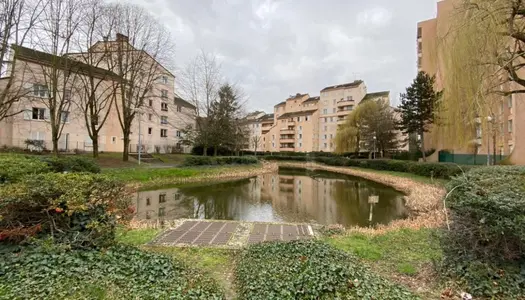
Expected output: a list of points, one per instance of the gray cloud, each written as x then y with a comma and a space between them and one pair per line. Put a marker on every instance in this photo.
275, 48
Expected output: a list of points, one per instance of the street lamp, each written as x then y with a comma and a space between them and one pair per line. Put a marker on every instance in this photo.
140, 133
375, 138
489, 120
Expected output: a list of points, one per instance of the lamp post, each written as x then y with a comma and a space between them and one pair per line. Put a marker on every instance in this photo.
140, 133
489, 120
375, 138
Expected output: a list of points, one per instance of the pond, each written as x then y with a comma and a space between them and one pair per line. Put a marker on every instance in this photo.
291, 195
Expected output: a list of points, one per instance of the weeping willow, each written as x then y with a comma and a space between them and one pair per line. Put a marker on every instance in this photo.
468, 71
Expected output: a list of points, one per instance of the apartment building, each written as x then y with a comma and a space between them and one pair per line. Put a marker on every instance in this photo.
509, 111
303, 123
160, 121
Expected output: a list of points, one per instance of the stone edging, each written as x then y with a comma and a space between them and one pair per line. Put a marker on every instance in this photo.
423, 200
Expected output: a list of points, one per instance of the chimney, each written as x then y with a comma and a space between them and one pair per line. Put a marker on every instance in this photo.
122, 38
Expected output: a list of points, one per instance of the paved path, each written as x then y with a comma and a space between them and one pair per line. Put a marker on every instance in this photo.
230, 234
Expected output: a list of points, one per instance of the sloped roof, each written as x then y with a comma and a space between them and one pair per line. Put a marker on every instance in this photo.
61, 62
182, 102
376, 95
267, 117
279, 104
296, 113
354, 84
312, 99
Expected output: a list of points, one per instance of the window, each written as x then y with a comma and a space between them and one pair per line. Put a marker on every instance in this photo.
113, 139
150, 103
510, 101
67, 95
325, 146
162, 211
331, 119
163, 120
300, 145
300, 128
510, 126
39, 113
349, 98
298, 119
326, 128
419, 63
325, 111
162, 198
150, 117
300, 136
164, 106
176, 196
150, 130
40, 90
325, 119
179, 134
419, 47
164, 79
334, 101
419, 32
179, 108
164, 93
148, 201
331, 135
324, 137
306, 118
64, 116
333, 110
164, 133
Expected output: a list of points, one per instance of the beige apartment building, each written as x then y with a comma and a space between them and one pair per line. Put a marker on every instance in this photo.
508, 111
303, 123
161, 119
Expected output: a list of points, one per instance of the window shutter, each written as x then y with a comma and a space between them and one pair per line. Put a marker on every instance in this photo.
28, 114
46, 114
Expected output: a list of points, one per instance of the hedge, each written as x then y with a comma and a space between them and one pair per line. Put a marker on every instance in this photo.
13, 167
309, 270
219, 160
72, 164
436, 170
485, 246
77, 209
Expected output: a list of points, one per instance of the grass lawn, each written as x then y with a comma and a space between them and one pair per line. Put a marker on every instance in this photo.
406, 255
171, 159
414, 177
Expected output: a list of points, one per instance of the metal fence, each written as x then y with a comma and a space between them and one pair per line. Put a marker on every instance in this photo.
47, 145
468, 159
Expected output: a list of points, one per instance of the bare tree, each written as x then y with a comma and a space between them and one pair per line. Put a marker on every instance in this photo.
57, 74
96, 91
141, 54
256, 140
17, 19
199, 84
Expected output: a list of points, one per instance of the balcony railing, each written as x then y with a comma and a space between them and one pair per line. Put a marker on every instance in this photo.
287, 131
345, 103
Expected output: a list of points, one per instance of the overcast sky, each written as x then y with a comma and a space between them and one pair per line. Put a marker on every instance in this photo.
275, 48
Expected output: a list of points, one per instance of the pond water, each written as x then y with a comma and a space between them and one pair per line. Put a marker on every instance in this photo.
291, 195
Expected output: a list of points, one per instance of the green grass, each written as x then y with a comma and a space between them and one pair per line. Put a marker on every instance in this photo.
403, 251
148, 174
136, 237
414, 177
171, 159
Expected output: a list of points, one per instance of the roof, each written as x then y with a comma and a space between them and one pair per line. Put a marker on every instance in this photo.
312, 99
253, 114
61, 62
267, 117
182, 102
298, 95
279, 104
296, 113
376, 95
354, 84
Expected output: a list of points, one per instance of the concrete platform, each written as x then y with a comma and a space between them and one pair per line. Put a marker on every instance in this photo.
230, 234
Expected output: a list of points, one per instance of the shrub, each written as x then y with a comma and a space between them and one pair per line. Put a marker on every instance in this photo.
38, 145
72, 164
486, 241
308, 270
78, 209
120, 272
219, 160
14, 167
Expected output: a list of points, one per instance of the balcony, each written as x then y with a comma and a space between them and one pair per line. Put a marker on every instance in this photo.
287, 140
343, 112
287, 149
287, 131
345, 103
341, 121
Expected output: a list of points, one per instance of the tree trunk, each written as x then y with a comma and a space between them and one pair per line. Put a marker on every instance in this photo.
55, 146
125, 153
95, 145
494, 160
205, 150
423, 147
214, 150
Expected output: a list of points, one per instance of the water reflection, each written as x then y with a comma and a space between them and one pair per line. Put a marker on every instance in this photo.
291, 196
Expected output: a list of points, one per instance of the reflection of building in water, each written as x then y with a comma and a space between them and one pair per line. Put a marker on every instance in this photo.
161, 204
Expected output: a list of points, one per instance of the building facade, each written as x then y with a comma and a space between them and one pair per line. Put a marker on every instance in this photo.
499, 137
160, 120
303, 123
